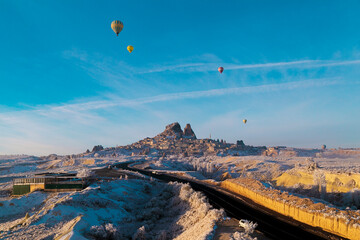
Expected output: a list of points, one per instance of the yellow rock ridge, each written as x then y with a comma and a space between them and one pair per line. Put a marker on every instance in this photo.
342, 223
335, 182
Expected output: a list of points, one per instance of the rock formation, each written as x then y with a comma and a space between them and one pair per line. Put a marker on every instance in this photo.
271, 152
188, 132
240, 143
172, 130
174, 141
97, 148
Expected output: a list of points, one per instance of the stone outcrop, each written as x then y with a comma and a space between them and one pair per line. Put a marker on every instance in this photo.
188, 132
172, 130
97, 148
271, 152
240, 143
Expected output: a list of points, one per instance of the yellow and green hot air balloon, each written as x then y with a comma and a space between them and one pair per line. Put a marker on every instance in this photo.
244, 121
130, 48
117, 26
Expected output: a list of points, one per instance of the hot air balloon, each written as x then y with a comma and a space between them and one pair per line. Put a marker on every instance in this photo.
117, 26
220, 69
244, 121
130, 48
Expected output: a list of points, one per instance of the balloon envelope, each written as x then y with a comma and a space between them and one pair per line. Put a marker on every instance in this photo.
130, 48
220, 69
117, 26
244, 121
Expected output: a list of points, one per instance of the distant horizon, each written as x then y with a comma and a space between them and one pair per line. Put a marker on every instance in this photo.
69, 83
231, 142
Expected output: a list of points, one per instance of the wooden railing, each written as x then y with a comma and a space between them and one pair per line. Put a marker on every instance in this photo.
55, 180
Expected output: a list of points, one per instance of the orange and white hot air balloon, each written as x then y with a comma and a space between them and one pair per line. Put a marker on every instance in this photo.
117, 26
220, 69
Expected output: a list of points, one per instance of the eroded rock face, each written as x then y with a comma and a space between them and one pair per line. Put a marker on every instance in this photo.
172, 130
188, 132
240, 143
97, 148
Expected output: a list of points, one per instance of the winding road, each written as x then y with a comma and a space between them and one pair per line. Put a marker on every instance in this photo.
270, 223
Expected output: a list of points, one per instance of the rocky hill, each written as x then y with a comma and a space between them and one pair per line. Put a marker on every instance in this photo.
175, 141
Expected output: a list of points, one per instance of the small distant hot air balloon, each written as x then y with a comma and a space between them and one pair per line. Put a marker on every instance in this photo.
220, 69
244, 121
117, 26
130, 48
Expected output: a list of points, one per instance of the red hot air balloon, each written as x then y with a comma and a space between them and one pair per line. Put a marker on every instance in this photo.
220, 69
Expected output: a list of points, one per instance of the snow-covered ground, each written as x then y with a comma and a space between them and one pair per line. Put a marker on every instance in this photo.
333, 175
117, 209
128, 208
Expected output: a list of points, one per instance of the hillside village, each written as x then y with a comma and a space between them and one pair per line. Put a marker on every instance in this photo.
175, 141
184, 143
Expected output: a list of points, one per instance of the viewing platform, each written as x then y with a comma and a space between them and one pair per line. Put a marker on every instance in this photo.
49, 182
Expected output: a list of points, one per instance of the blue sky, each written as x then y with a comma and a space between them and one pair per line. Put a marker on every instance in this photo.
292, 69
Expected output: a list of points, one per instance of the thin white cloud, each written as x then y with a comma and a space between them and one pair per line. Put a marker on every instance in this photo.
126, 80
177, 67
204, 63
77, 108
205, 67
337, 63
271, 65
50, 128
